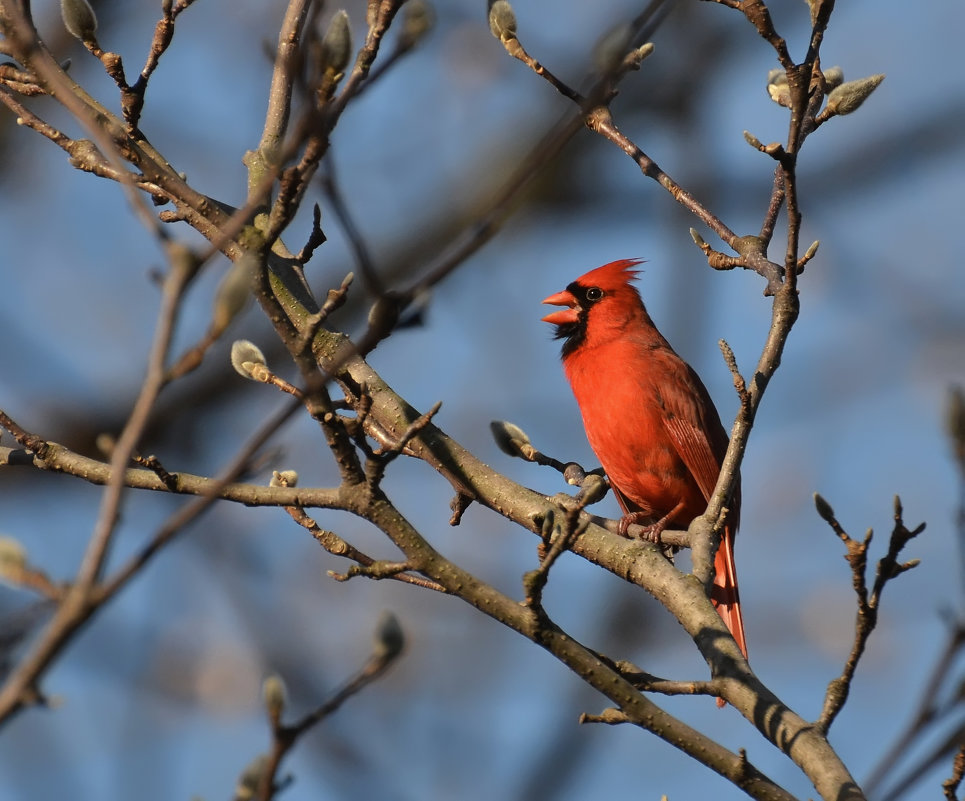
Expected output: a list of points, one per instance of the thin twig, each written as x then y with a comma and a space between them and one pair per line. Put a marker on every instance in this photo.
337, 546
284, 736
888, 568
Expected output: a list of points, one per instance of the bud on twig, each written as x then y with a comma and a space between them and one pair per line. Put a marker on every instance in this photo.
283, 478
849, 96
824, 508
389, 637
777, 87
417, 20
337, 43
13, 558
777, 77
593, 488
511, 439
833, 76
502, 20
275, 695
635, 58
250, 780
233, 294
780, 94
808, 255
79, 18
574, 474
248, 360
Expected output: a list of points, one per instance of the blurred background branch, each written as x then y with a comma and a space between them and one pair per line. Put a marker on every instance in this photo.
433, 170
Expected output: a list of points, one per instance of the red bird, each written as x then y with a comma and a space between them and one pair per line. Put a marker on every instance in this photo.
647, 415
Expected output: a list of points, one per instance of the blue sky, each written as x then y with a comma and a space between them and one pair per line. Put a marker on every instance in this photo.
164, 686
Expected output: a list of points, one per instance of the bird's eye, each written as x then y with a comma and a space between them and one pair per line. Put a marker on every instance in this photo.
594, 293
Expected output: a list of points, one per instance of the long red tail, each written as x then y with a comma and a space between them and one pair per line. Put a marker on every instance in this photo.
725, 597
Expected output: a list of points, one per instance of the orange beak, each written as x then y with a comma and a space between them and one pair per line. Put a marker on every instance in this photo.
564, 316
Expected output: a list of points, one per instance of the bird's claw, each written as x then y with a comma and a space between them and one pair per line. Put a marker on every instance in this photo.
650, 532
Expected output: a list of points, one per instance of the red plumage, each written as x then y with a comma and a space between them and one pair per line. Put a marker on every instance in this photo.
648, 417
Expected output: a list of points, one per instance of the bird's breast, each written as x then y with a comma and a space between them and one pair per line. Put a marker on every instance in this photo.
623, 415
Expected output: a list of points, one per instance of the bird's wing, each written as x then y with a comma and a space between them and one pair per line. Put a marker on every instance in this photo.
689, 435
700, 439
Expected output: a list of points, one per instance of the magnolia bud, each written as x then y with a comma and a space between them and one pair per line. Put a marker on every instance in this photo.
275, 695
389, 637
833, 76
417, 20
510, 438
249, 783
594, 487
233, 293
823, 507
573, 474
13, 558
637, 57
337, 42
283, 478
777, 87
777, 76
502, 20
79, 18
246, 357
780, 93
849, 96
753, 141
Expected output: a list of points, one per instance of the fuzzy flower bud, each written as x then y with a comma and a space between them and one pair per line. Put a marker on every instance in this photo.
232, 295
247, 358
283, 478
778, 88
13, 558
79, 18
780, 94
510, 438
849, 96
337, 43
833, 77
417, 20
250, 780
275, 695
502, 20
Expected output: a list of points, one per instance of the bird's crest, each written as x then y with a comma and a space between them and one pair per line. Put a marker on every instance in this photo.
612, 275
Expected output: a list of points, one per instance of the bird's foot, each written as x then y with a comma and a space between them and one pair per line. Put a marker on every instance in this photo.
650, 532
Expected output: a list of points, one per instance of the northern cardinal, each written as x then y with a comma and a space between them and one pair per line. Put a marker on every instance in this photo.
647, 415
